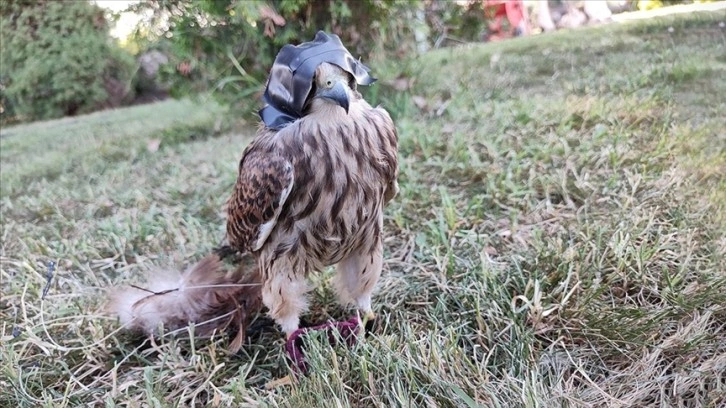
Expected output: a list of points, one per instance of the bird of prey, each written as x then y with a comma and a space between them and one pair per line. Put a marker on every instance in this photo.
310, 193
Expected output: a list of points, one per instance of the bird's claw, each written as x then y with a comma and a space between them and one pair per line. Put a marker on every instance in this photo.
368, 322
347, 331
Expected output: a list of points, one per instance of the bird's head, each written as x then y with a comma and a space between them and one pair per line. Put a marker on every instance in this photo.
332, 85
320, 74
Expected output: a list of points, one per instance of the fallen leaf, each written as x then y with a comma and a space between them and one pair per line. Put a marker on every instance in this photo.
441, 107
420, 102
401, 83
153, 145
448, 128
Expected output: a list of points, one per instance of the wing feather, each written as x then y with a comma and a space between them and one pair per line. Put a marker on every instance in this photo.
263, 184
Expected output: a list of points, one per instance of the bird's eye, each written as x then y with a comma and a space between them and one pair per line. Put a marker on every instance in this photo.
329, 83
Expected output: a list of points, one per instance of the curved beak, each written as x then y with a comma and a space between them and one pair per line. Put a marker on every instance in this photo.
338, 94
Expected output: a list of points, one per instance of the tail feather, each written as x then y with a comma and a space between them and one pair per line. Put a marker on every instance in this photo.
204, 295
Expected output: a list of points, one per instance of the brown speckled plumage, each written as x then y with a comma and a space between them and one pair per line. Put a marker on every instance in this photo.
307, 196
339, 170
204, 294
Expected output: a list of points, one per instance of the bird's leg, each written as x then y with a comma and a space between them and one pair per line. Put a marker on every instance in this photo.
284, 294
347, 331
356, 278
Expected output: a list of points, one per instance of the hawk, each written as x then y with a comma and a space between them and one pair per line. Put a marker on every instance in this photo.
310, 193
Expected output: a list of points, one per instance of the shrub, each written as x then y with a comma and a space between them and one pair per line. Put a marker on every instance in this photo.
228, 46
58, 59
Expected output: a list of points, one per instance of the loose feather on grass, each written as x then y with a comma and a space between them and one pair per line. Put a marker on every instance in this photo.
204, 295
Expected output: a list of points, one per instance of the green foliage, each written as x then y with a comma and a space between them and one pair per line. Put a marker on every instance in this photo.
454, 23
229, 45
57, 59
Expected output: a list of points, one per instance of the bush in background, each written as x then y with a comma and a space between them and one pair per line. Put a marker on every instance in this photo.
58, 59
228, 46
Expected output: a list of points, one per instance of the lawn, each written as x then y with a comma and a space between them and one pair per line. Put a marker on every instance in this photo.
559, 239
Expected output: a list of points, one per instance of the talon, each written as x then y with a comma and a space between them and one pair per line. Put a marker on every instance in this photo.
368, 322
348, 331
294, 350
369, 315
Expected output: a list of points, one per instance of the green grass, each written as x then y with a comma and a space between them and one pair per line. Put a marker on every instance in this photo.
559, 239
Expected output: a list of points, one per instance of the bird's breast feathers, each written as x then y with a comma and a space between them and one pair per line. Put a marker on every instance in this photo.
342, 168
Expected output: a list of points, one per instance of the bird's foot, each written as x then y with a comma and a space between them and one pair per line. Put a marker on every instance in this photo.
346, 331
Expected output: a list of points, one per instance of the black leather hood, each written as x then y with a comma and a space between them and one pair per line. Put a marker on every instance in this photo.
291, 76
